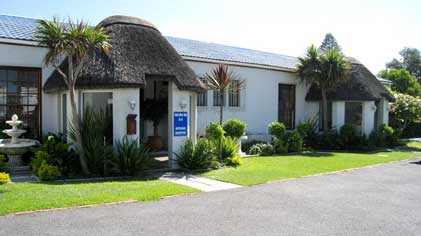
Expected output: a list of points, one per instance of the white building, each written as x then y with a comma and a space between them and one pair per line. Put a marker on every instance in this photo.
145, 65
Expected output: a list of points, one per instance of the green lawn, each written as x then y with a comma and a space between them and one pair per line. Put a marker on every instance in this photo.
35, 196
415, 146
257, 170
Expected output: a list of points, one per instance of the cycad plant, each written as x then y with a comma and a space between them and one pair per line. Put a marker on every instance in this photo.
323, 70
73, 42
130, 156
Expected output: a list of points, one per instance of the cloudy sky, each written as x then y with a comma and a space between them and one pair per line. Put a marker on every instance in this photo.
373, 31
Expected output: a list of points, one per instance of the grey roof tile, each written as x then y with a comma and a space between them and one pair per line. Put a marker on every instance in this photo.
14, 27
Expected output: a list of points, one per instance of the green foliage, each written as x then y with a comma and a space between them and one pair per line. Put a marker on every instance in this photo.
3, 166
4, 178
94, 146
330, 42
246, 146
130, 157
405, 110
384, 136
155, 110
47, 172
295, 142
267, 150
256, 148
234, 128
308, 130
277, 130
199, 156
56, 152
235, 160
328, 141
228, 149
214, 131
403, 81
348, 135
410, 61
39, 158
279, 146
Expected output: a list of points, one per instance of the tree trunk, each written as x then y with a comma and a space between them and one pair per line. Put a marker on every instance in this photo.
324, 111
76, 126
221, 106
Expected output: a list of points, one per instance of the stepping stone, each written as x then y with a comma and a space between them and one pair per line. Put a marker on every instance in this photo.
203, 184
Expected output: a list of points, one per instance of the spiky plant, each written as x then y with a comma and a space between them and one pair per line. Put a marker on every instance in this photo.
72, 42
323, 70
222, 79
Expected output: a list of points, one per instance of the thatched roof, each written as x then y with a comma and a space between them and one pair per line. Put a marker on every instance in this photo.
139, 52
361, 85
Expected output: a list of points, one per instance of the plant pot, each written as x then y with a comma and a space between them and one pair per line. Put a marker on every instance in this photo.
155, 143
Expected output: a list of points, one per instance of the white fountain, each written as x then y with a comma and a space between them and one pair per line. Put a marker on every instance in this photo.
15, 147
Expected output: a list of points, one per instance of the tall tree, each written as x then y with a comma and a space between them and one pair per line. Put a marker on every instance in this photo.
323, 70
72, 41
329, 42
223, 80
403, 81
410, 61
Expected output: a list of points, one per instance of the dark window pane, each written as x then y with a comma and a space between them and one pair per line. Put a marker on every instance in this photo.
286, 105
354, 115
3, 76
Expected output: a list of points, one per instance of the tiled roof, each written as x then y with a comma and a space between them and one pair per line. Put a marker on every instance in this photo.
13, 27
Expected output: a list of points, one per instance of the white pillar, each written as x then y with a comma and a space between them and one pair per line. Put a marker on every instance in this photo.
179, 103
369, 110
338, 114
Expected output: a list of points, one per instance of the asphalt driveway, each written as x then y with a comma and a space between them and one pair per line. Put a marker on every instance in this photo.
380, 200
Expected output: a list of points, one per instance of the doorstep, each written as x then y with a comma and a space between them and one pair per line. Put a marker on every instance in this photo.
203, 184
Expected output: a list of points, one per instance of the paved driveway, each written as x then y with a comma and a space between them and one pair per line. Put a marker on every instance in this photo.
380, 200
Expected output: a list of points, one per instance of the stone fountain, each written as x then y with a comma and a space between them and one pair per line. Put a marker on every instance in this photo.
15, 147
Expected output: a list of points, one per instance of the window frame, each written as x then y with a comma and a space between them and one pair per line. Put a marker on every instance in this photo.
234, 93
38, 93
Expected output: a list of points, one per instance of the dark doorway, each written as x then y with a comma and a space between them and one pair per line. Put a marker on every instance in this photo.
286, 105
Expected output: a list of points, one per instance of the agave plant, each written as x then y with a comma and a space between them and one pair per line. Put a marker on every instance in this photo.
130, 156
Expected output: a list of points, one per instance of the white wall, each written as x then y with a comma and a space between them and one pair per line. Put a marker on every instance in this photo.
29, 56
176, 98
369, 109
259, 100
338, 114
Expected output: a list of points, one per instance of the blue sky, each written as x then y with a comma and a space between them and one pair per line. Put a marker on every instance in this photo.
373, 31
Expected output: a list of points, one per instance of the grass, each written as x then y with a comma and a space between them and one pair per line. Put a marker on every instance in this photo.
257, 170
414, 146
36, 196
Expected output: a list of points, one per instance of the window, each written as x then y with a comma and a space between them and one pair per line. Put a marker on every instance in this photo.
19, 94
217, 101
354, 115
234, 94
286, 105
202, 98
329, 115
101, 102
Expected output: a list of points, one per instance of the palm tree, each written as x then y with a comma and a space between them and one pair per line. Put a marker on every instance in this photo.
323, 70
223, 80
72, 41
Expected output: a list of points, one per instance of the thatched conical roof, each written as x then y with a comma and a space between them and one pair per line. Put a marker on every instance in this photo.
361, 85
139, 52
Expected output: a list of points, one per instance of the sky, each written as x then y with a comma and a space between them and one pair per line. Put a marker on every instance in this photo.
372, 31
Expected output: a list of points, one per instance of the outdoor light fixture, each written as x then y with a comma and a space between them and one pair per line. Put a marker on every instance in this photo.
132, 104
183, 104
373, 107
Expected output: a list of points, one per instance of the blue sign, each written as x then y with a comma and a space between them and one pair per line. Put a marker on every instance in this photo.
180, 123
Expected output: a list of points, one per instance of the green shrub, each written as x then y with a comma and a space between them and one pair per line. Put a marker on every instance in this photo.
48, 172
246, 146
308, 130
95, 146
39, 158
295, 142
234, 128
214, 131
228, 148
329, 141
199, 156
130, 156
3, 166
4, 178
256, 149
235, 160
280, 146
277, 130
348, 135
267, 150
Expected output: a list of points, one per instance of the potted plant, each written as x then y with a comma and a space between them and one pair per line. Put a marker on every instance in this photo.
155, 110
